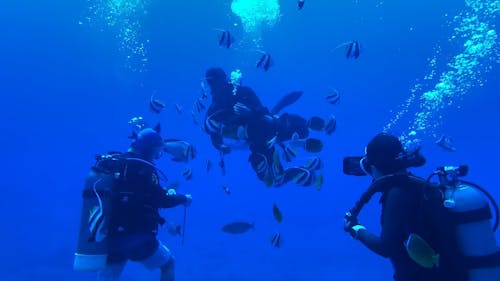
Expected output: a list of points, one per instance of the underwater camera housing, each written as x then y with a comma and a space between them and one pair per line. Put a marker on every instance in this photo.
355, 166
360, 166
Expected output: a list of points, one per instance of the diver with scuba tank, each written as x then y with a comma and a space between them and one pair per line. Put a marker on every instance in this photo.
430, 230
120, 214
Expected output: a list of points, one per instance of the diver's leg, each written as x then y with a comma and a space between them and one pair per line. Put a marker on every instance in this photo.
162, 258
260, 164
168, 271
290, 124
112, 272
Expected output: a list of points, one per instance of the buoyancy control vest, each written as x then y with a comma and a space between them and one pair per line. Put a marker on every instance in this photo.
103, 187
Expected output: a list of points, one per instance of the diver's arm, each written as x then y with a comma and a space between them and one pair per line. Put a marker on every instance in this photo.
169, 201
211, 129
217, 141
393, 216
249, 98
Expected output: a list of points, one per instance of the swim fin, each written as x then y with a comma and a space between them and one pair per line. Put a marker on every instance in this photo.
286, 100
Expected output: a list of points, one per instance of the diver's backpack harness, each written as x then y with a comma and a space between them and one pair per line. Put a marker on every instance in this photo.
459, 203
100, 187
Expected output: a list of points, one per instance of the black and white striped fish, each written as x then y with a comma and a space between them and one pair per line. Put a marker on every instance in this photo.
265, 62
226, 39
353, 50
156, 105
333, 97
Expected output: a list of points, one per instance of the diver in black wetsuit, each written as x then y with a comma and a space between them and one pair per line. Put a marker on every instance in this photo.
410, 205
135, 202
400, 208
237, 113
430, 231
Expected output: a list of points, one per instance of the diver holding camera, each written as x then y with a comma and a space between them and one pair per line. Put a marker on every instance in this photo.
430, 231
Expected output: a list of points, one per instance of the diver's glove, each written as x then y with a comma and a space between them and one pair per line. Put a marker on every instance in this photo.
352, 226
241, 109
189, 200
224, 148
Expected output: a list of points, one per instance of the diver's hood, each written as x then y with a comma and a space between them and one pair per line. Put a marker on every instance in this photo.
148, 140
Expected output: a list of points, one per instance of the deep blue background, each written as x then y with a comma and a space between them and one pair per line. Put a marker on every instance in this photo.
66, 96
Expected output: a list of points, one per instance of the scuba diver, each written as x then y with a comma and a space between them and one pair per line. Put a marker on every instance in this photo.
123, 196
237, 114
429, 231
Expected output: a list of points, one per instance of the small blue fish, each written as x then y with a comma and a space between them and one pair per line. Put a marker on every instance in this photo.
276, 239
174, 229
331, 125
319, 181
194, 118
222, 164
204, 90
300, 4
178, 108
333, 97
226, 189
278, 216
187, 173
446, 143
199, 105
238, 227
208, 165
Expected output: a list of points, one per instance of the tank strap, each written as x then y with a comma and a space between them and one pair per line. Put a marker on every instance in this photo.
476, 215
487, 261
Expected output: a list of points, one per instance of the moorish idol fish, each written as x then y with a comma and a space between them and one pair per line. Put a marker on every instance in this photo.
300, 4
156, 105
226, 39
352, 49
333, 97
265, 62
331, 125
446, 143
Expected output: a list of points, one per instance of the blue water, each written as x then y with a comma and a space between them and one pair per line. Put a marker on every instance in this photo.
68, 92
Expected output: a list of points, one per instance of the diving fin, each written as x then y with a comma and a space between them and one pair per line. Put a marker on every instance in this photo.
286, 100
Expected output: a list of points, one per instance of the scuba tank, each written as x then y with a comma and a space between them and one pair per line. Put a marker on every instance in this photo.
92, 247
471, 216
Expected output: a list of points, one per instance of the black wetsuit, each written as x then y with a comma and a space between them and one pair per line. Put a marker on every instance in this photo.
260, 125
221, 111
399, 218
404, 212
136, 199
